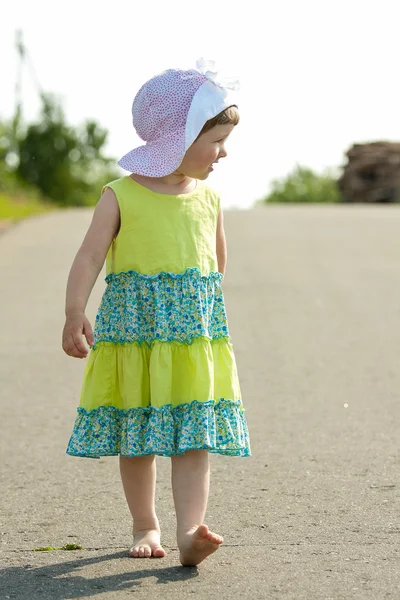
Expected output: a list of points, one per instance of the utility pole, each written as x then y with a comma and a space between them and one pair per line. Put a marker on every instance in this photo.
23, 58
18, 87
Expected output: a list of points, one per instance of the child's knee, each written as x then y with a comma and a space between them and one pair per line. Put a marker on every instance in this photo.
132, 459
193, 455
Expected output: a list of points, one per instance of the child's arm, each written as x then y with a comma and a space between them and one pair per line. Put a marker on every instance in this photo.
84, 272
221, 244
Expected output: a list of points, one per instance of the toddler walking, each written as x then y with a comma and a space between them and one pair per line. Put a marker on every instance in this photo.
161, 375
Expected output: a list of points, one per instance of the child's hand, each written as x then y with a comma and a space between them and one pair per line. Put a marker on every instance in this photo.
75, 327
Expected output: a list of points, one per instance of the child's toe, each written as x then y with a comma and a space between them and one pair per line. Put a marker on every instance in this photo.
158, 552
216, 539
202, 531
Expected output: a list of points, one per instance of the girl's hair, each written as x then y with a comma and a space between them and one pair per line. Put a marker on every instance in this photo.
229, 116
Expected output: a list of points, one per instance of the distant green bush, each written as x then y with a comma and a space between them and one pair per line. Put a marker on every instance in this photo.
65, 165
304, 185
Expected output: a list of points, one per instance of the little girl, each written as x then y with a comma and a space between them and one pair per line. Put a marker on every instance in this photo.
161, 376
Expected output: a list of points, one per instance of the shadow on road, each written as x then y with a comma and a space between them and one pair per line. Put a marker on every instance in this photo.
52, 582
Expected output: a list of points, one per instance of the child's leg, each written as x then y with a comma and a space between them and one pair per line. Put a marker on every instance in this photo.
190, 487
138, 476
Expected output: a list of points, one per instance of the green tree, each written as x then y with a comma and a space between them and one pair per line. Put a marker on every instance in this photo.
303, 185
66, 164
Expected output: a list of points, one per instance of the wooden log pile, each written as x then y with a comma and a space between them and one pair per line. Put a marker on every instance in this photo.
372, 173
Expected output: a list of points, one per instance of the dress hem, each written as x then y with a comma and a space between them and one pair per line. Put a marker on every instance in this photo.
241, 454
217, 426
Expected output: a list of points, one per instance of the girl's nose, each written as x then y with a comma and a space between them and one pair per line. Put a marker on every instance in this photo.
222, 153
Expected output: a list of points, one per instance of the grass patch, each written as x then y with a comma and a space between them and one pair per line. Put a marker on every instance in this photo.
65, 547
15, 208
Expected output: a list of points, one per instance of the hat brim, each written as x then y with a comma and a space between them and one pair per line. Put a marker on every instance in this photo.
158, 158
207, 103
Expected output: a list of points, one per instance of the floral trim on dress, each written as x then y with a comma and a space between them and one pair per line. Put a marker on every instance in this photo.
219, 427
164, 306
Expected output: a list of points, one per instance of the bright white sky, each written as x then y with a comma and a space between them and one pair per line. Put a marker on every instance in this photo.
316, 76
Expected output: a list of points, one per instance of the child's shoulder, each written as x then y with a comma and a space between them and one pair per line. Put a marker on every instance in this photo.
116, 184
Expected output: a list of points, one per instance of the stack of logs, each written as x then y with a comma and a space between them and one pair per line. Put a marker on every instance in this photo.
372, 173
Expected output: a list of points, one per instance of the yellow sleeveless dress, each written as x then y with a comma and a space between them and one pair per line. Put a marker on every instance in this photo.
161, 377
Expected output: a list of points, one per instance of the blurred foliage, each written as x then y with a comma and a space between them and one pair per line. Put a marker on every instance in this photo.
19, 206
304, 185
65, 164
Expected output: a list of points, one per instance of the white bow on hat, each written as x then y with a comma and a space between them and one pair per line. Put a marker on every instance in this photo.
207, 68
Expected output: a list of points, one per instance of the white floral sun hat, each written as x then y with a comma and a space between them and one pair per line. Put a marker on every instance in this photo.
170, 110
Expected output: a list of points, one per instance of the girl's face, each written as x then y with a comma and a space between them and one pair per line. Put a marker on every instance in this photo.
206, 150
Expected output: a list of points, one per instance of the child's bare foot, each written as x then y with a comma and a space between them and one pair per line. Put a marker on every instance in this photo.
146, 543
197, 544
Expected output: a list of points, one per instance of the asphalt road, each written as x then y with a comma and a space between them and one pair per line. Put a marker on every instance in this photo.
313, 300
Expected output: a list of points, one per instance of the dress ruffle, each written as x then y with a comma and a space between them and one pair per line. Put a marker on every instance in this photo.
132, 375
219, 427
164, 306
